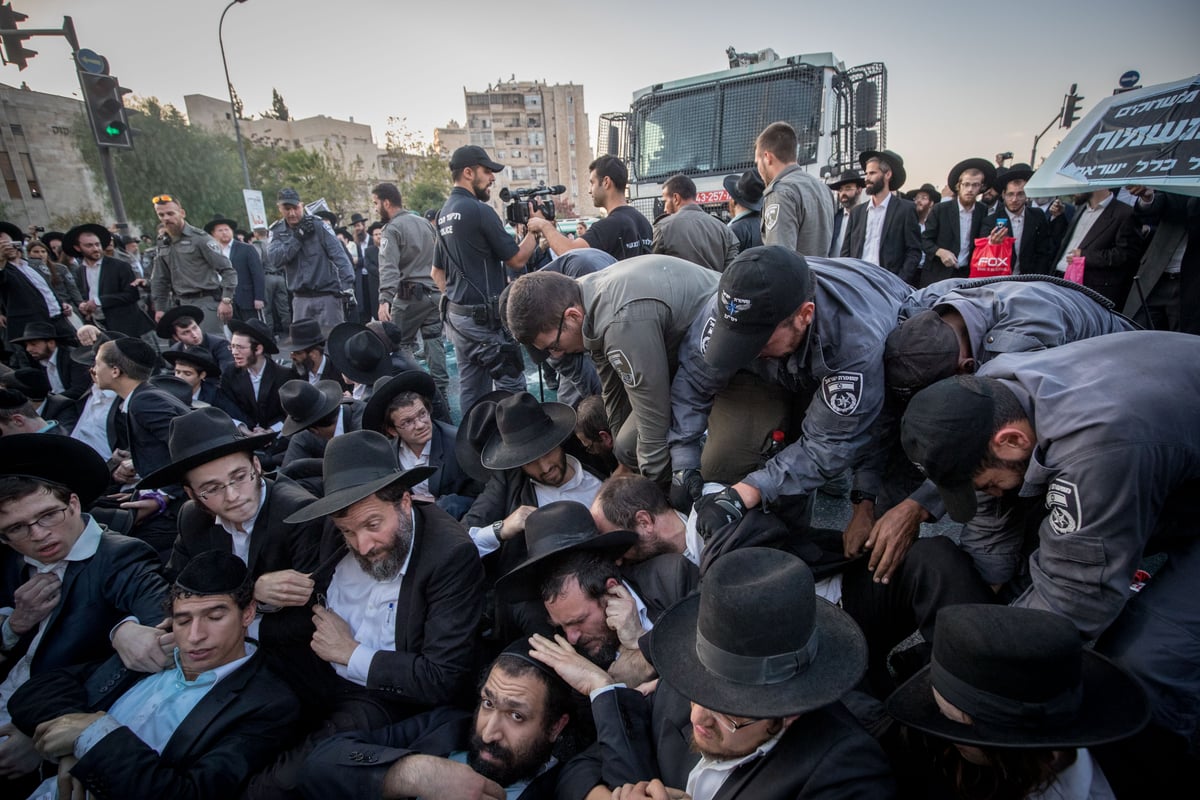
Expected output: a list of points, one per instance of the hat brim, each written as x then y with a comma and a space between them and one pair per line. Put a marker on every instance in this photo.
468, 455
519, 584
409, 381
728, 349
731, 182
87, 355
344, 498
212, 223
899, 174
174, 472
165, 327
206, 364
335, 348
26, 337
237, 326
329, 404
14, 233
839, 663
307, 344
71, 237
960, 501
1114, 707
1016, 174
982, 164
498, 455
59, 459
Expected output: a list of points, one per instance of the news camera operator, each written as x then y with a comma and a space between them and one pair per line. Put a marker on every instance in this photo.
469, 267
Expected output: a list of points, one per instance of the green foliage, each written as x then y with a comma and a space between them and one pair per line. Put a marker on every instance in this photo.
429, 185
313, 174
279, 109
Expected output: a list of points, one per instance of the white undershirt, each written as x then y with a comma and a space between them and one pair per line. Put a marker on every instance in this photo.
39, 283
875, 215
409, 460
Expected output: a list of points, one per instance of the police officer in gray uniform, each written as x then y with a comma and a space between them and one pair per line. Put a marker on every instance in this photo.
688, 231
631, 317
816, 328
189, 268
954, 327
407, 294
797, 208
319, 274
1090, 453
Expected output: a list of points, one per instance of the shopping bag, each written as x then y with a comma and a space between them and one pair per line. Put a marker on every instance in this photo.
1075, 270
990, 260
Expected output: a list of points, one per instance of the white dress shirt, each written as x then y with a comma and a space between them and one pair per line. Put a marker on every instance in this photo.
709, 774
1087, 217
92, 427
409, 460
51, 367
876, 212
39, 283
582, 488
241, 538
965, 217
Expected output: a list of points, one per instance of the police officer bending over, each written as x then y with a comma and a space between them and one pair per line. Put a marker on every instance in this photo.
473, 249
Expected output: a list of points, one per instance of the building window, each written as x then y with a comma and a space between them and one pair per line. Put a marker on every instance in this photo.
501, 154
10, 177
30, 176
17, 129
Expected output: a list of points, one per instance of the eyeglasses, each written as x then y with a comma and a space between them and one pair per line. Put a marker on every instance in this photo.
555, 347
239, 479
159, 199
965, 185
729, 722
22, 531
421, 417
239, 347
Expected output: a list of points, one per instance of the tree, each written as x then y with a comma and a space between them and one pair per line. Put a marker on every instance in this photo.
239, 107
425, 176
279, 109
313, 174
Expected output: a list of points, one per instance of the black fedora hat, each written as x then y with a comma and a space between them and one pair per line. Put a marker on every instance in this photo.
1017, 172
87, 355
32, 382
257, 330
197, 438
848, 176
1024, 678
165, 327
927, 189
356, 465
757, 641
982, 164
358, 353
899, 174
71, 237
51, 236
554, 530
219, 220
306, 333
526, 430
14, 233
306, 404
356, 218
327, 215
386, 389
178, 388
35, 331
746, 189
477, 428
198, 357
58, 459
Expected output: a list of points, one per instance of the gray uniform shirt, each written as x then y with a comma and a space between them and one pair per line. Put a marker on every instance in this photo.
797, 212
317, 263
192, 263
406, 247
637, 312
840, 361
694, 235
1118, 437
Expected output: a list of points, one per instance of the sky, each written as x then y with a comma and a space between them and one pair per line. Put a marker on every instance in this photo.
964, 78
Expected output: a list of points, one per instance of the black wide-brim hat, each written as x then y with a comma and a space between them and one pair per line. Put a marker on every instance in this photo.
899, 174
756, 641
14, 233
36, 331
358, 353
165, 327
555, 530
87, 355
357, 465
71, 237
59, 459
982, 164
848, 176
746, 189
927, 189
219, 220
306, 333
386, 389
256, 330
306, 404
1035, 683
1017, 172
198, 357
526, 430
197, 438
477, 427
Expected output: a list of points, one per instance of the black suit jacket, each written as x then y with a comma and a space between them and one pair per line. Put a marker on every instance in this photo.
450, 477
306, 444
20, 301
76, 378
218, 348
63, 410
147, 418
265, 410
1037, 243
234, 731
354, 765
251, 283
1110, 250
942, 230
118, 297
122, 578
900, 240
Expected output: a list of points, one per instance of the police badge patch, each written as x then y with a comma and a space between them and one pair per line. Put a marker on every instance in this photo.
771, 216
1062, 501
706, 334
216, 248
842, 391
621, 364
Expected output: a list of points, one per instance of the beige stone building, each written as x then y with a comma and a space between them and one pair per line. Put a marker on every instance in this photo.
538, 131
448, 139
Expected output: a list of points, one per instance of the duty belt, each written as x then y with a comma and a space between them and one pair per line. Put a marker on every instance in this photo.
465, 311
212, 293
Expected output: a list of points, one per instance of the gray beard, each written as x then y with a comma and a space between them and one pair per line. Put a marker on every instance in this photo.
388, 567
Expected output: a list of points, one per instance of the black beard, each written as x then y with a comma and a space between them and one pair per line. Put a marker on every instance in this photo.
483, 194
512, 766
388, 567
384, 215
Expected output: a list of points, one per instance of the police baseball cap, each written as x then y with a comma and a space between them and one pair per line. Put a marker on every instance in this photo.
472, 155
288, 197
946, 431
920, 351
761, 288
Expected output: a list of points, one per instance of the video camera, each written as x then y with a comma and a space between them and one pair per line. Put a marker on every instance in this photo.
521, 202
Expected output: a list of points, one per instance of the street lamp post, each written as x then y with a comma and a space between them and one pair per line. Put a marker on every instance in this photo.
237, 130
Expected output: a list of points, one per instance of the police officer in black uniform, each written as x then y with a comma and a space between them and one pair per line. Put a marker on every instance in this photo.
472, 252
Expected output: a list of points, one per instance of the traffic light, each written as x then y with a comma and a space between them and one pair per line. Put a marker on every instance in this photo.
106, 110
14, 47
1071, 107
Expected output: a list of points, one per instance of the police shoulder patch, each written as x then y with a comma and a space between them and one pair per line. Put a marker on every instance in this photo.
212, 245
842, 392
621, 364
770, 216
1066, 511
707, 333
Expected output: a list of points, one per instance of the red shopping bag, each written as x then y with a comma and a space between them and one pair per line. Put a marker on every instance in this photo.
990, 260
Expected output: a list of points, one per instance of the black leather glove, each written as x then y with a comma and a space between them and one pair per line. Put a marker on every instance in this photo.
306, 227
349, 301
686, 487
715, 511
